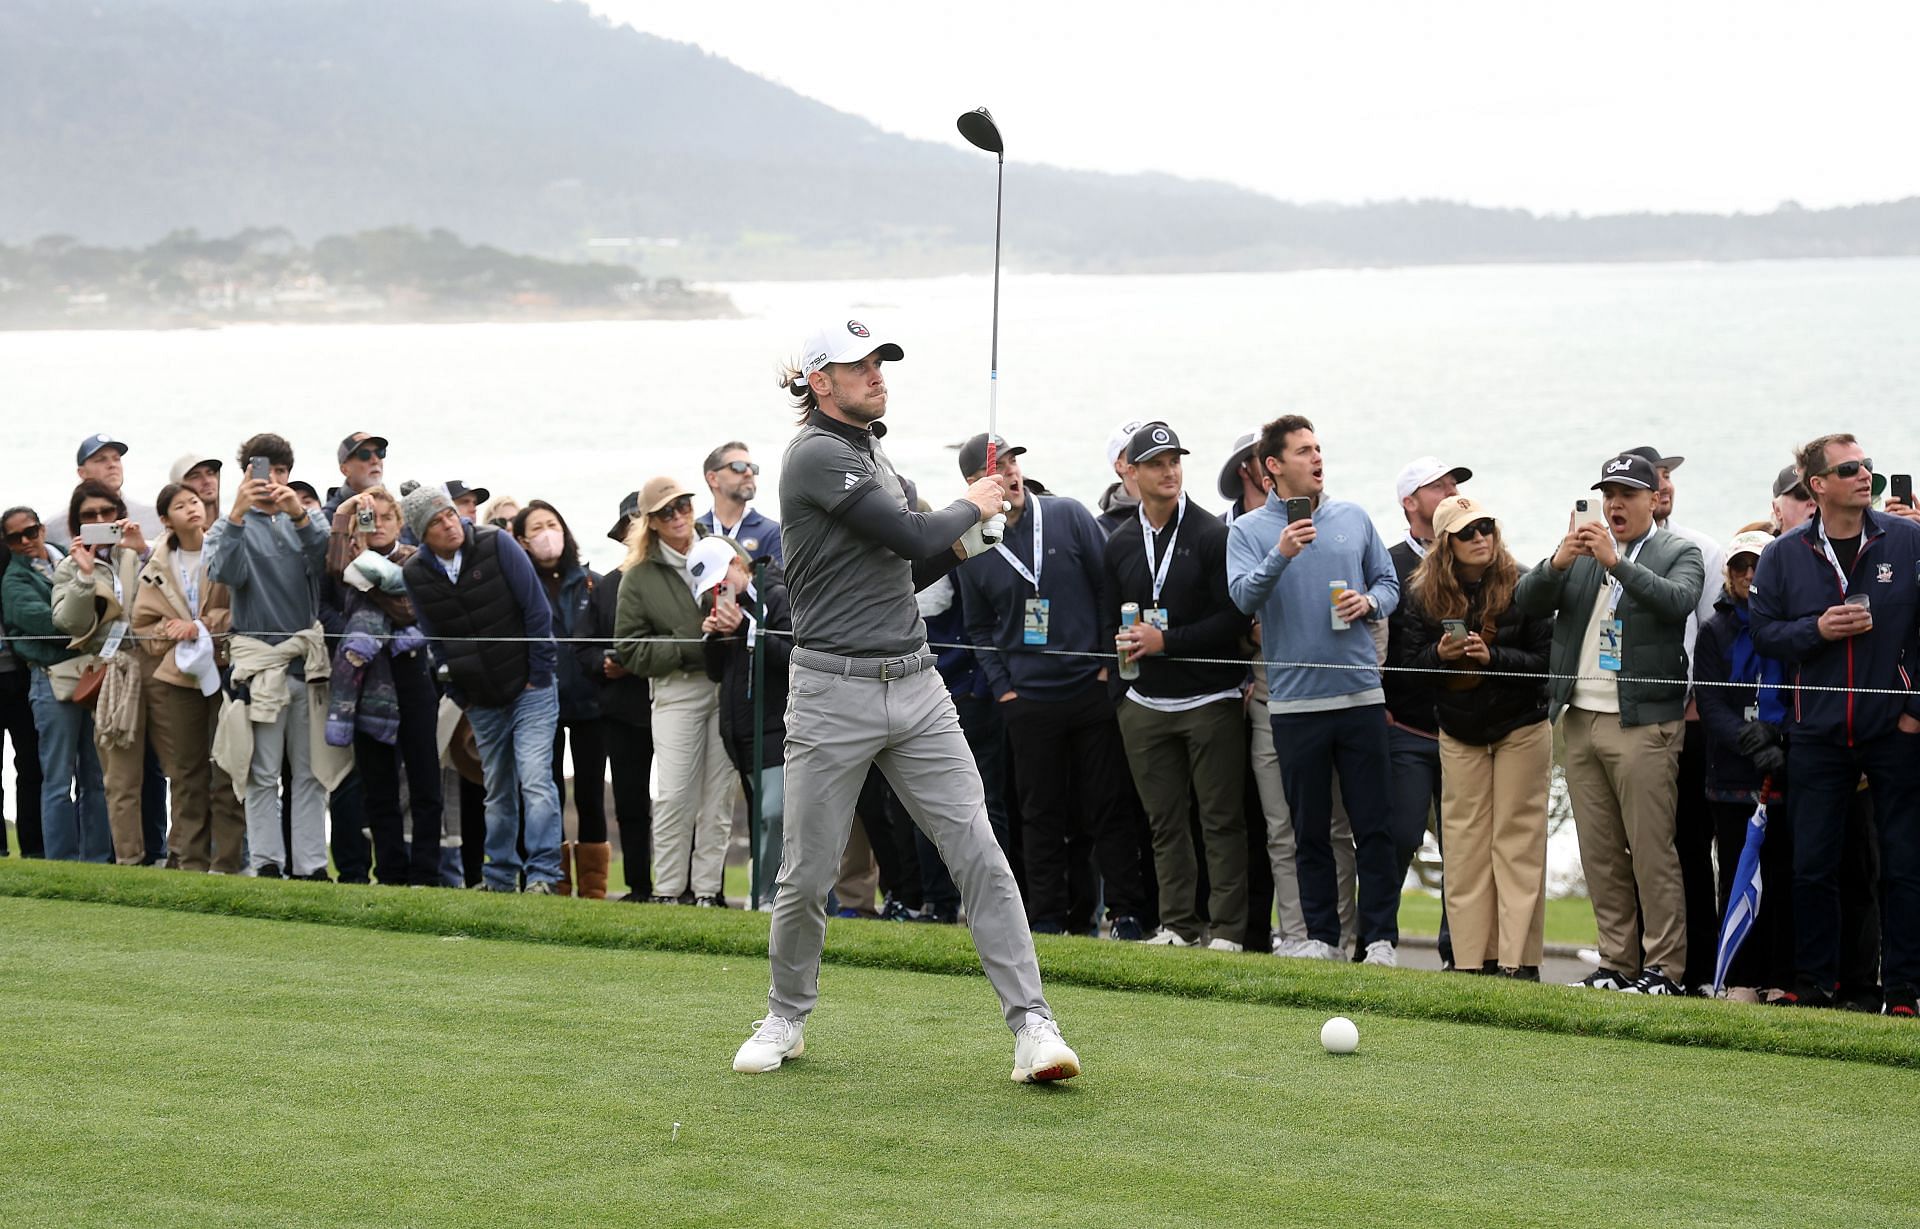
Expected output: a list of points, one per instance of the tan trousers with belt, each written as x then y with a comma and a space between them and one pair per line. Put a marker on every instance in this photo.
124, 771
1623, 783
1493, 812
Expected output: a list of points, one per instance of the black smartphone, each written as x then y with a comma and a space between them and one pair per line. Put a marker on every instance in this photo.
1900, 487
260, 469
1299, 508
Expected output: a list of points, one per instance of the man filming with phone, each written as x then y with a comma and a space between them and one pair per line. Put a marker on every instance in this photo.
1621, 590
271, 553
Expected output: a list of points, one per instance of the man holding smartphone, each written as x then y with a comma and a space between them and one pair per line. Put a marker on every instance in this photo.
1316, 573
271, 552
1839, 600
1621, 592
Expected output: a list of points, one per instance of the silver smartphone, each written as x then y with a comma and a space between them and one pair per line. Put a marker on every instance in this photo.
100, 535
1456, 628
1587, 511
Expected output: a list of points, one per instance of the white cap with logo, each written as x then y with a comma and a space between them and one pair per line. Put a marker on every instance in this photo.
845, 341
1422, 470
1122, 436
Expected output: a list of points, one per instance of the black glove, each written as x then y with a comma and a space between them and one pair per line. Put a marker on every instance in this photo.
1755, 736
1771, 761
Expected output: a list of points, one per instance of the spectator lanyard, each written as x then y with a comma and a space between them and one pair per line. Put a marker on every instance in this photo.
1039, 555
117, 630
1826, 544
1613, 582
1159, 574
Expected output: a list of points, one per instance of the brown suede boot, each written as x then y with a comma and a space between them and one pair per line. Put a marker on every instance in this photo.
565, 885
592, 861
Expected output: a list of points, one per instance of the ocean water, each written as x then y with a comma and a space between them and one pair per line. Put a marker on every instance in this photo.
1530, 375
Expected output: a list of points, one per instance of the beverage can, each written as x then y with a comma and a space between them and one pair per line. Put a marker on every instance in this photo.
1337, 589
1129, 615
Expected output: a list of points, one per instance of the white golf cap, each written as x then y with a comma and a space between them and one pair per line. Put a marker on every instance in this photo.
707, 563
1122, 436
1753, 542
187, 462
1422, 470
844, 341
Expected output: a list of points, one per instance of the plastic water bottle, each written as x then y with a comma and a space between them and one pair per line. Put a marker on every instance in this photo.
1129, 615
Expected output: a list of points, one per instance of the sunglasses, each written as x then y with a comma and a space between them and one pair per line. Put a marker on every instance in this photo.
679, 507
743, 467
21, 536
1479, 529
95, 516
368, 454
1847, 469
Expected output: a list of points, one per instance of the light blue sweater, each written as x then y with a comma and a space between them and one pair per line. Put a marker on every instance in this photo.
1293, 602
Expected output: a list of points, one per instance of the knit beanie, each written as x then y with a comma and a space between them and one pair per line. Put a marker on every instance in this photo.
421, 505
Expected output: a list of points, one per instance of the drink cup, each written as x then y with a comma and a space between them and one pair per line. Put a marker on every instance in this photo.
1865, 603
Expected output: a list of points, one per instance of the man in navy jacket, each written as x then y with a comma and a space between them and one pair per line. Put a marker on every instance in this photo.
1837, 599
1030, 598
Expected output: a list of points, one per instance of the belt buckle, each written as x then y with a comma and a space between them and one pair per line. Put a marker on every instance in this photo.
886, 671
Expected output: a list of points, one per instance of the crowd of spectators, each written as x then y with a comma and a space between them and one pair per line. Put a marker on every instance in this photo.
1230, 731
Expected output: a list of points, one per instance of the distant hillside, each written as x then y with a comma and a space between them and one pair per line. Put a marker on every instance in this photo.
535, 126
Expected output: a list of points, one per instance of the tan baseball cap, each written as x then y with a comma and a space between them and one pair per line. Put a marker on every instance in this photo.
1457, 512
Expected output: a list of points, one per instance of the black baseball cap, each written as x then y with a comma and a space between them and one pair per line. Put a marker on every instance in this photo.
94, 443
1653, 457
359, 439
973, 453
1629, 469
1152, 440
457, 489
304, 488
629, 508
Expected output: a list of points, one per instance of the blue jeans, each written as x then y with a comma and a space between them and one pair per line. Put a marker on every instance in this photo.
516, 757
1312, 747
73, 796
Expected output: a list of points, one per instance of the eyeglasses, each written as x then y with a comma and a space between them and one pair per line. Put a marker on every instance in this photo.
743, 467
20, 537
1847, 469
368, 454
1741, 563
1479, 529
679, 507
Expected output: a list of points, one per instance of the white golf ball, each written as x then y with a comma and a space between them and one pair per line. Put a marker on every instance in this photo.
1340, 1036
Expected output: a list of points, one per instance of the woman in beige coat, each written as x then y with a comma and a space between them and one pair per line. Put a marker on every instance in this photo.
93, 592
177, 608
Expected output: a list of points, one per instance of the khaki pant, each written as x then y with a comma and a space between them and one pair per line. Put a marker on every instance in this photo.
124, 770
693, 815
1623, 784
1493, 811
859, 883
1172, 756
1290, 924
208, 830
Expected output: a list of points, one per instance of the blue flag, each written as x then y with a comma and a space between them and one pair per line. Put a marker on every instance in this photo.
1744, 908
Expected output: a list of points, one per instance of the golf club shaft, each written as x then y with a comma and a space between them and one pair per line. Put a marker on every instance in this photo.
993, 373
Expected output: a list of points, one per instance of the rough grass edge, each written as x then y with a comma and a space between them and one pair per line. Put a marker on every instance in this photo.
1236, 978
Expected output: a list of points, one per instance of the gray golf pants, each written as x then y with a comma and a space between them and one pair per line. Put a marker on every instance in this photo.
838, 725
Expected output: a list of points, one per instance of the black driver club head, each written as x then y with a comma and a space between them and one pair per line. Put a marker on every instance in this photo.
978, 127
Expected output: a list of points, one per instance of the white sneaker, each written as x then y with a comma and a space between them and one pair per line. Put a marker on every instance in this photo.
1381, 952
1290, 948
1165, 938
1314, 949
1039, 1054
775, 1040
1224, 945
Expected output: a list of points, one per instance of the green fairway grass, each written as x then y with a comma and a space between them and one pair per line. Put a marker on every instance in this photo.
167, 1068
1065, 960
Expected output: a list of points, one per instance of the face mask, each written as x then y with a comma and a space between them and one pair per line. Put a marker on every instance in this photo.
545, 545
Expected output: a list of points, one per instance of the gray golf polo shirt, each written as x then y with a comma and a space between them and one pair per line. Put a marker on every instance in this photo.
850, 595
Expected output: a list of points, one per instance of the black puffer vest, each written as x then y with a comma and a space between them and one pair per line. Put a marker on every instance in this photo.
488, 673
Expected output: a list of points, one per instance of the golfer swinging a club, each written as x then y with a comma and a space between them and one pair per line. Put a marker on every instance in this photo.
864, 691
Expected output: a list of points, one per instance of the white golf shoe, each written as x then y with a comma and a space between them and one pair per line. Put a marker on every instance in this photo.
1039, 1054
775, 1040
1381, 952
1164, 937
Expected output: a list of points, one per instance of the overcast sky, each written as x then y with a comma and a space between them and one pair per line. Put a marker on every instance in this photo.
1551, 107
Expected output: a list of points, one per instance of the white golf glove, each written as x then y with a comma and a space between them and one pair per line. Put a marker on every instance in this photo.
993, 529
974, 541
